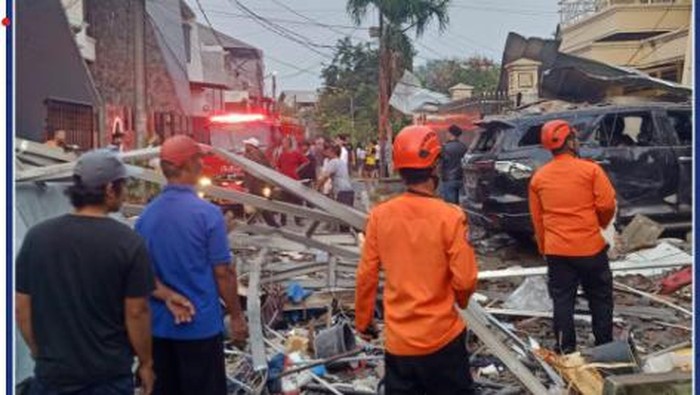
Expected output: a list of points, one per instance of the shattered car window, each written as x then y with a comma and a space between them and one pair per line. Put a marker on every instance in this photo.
487, 139
533, 134
626, 130
682, 124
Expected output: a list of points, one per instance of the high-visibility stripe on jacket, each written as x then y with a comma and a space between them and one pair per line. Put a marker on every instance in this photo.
571, 200
420, 243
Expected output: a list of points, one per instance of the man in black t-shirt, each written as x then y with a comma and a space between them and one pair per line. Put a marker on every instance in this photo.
451, 166
83, 281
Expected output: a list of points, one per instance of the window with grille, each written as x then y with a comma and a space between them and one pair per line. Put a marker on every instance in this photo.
77, 119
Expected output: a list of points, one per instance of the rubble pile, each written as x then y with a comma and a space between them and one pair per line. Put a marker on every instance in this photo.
298, 284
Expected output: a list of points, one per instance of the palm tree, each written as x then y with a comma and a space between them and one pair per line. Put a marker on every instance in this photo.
396, 18
403, 13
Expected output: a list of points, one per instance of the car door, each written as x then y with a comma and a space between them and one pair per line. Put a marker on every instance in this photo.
628, 144
679, 124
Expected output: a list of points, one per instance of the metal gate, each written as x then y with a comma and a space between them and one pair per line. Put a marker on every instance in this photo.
77, 119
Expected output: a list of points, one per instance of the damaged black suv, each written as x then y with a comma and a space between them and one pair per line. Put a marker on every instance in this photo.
645, 149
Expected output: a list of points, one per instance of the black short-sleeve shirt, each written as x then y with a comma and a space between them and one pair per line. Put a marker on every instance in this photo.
78, 270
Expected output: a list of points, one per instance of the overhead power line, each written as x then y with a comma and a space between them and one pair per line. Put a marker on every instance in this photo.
286, 21
293, 11
206, 18
510, 11
282, 31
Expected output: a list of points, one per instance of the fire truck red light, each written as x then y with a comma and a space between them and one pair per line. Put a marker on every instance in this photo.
6, 21
236, 118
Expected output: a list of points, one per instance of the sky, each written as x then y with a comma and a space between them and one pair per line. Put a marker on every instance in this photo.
297, 45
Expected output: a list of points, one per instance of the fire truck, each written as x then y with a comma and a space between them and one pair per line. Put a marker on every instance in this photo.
228, 131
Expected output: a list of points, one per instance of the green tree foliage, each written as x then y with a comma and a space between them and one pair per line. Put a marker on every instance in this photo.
397, 18
407, 14
353, 73
442, 74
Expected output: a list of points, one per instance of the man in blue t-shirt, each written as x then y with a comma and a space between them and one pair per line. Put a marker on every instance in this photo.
187, 241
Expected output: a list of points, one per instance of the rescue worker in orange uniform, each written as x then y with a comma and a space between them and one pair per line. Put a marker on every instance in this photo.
420, 243
571, 201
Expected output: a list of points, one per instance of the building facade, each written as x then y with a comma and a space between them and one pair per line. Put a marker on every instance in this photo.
653, 36
54, 88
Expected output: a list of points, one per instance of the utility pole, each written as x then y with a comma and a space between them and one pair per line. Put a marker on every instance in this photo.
141, 116
382, 93
274, 85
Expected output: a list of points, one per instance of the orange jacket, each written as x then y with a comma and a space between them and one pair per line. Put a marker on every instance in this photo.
420, 243
571, 200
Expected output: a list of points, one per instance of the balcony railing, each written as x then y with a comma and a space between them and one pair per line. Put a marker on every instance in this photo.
573, 11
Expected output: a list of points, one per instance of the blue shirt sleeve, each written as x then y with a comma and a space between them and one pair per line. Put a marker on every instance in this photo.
218, 252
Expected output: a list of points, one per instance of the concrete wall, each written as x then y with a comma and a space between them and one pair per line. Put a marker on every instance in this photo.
624, 18
668, 50
112, 25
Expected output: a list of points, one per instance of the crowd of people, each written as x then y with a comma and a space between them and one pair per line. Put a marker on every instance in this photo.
322, 164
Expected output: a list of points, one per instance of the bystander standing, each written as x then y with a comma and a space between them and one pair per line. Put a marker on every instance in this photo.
83, 281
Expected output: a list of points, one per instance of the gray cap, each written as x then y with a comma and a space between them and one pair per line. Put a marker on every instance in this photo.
99, 167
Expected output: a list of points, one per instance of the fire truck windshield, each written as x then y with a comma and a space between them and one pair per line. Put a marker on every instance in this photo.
230, 136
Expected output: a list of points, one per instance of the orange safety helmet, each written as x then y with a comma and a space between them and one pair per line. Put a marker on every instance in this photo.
416, 147
555, 133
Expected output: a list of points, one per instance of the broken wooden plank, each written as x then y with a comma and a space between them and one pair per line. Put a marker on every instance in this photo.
257, 344
651, 297
477, 324
346, 214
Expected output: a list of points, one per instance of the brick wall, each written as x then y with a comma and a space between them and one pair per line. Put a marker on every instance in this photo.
112, 26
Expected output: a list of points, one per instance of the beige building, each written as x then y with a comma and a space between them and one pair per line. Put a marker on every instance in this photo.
653, 36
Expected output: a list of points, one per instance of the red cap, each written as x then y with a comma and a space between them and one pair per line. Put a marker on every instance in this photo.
179, 149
